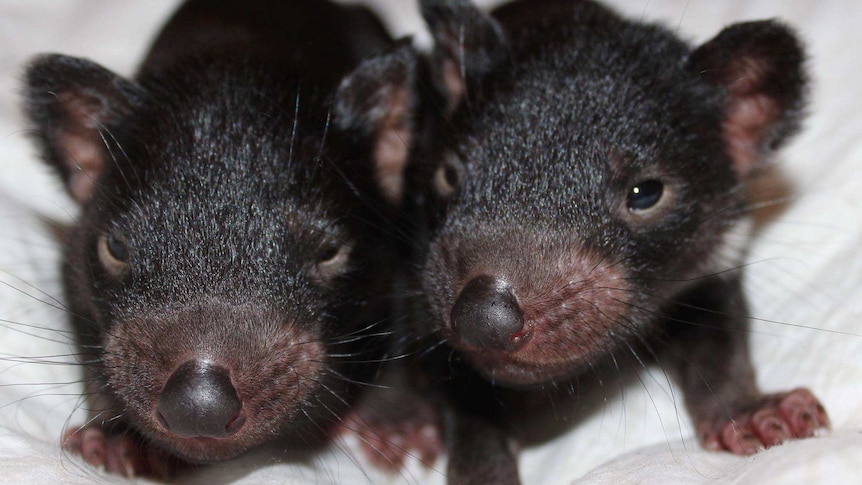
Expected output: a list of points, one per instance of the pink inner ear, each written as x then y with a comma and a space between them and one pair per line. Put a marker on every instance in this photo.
751, 114
746, 129
453, 82
80, 144
392, 146
83, 159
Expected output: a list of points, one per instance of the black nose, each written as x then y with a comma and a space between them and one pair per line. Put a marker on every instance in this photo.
199, 401
487, 315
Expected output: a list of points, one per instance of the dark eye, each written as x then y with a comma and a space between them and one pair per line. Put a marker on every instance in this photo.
448, 176
645, 195
113, 254
117, 249
332, 260
328, 253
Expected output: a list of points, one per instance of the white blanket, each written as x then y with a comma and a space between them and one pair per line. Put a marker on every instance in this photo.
803, 280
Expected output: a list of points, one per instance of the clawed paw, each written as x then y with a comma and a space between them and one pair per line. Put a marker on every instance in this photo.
774, 420
389, 437
122, 454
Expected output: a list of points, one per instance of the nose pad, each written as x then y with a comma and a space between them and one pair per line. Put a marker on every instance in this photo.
486, 314
199, 400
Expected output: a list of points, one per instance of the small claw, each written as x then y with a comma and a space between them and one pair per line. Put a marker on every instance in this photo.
770, 427
774, 419
120, 454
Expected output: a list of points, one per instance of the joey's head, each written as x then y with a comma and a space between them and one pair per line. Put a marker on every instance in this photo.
225, 254
590, 178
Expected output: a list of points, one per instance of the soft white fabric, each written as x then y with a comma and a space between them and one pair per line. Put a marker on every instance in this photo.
803, 280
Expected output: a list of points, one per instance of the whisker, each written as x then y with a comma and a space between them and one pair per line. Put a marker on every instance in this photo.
294, 128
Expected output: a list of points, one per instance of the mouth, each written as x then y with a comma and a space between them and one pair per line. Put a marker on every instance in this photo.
203, 450
518, 369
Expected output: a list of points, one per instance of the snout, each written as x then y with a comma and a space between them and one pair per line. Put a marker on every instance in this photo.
527, 321
211, 381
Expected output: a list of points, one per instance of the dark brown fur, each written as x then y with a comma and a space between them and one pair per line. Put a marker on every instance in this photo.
233, 223
592, 181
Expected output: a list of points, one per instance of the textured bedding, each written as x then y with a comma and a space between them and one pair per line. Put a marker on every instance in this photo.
803, 278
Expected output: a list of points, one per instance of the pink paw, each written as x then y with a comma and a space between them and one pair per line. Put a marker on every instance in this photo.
123, 454
387, 440
774, 420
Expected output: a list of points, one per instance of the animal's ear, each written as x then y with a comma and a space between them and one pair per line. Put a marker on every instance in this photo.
759, 65
469, 44
73, 104
374, 105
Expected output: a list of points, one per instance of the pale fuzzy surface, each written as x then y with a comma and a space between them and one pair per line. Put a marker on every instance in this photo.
804, 276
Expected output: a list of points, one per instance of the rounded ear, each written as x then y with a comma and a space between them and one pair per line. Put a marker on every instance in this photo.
759, 65
73, 104
375, 104
469, 44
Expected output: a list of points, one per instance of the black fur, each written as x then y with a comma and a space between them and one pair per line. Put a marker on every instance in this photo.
566, 119
230, 216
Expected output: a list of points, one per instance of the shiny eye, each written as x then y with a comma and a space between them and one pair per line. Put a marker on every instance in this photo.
645, 195
332, 260
328, 254
117, 249
448, 176
113, 254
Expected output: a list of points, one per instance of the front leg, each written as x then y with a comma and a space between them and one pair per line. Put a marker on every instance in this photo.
708, 337
398, 419
480, 453
481, 449
124, 453
393, 424
406, 415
